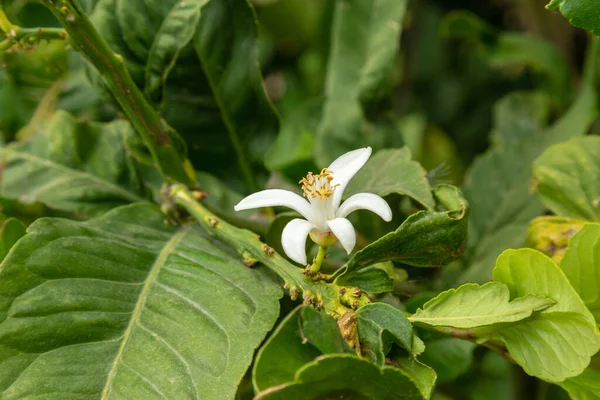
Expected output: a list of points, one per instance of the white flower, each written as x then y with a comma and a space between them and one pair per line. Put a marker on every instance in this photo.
325, 218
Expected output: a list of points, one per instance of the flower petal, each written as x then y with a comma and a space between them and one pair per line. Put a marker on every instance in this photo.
293, 239
344, 232
365, 201
344, 168
275, 197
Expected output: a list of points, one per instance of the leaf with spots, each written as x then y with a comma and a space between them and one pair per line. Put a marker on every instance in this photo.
124, 306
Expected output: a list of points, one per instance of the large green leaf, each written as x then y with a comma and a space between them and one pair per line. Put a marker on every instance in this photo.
567, 178
73, 166
497, 187
301, 337
393, 171
581, 265
203, 75
346, 376
581, 13
364, 44
472, 306
558, 342
124, 306
426, 238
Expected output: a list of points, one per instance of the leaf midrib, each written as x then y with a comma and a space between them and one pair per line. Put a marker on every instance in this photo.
49, 163
139, 306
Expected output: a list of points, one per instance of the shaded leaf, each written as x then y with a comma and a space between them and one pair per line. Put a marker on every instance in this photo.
581, 265
380, 325
345, 375
567, 178
372, 279
364, 43
558, 342
472, 306
393, 171
124, 306
302, 336
497, 188
72, 166
519, 114
449, 357
203, 76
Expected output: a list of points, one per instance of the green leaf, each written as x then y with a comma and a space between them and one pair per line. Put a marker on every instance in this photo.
25, 77
372, 279
11, 230
345, 376
581, 265
497, 188
472, 306
567, 178
364, 45
380, 325
449, 357
124, 306
583, 387
72, 166
540, 55
520, 114
203, 76
393, 171
302, 336
558, 342
426, 238
581, 13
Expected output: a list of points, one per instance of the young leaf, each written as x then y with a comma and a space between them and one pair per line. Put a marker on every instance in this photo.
558, 342
348, 376
72, 166
449, 357
125, 306
581, 13
393, 171
567, 178
426, 238
581, 265
473, 306
302, 336
364, 43
380, 325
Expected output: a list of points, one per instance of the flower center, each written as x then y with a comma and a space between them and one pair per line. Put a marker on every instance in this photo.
318, 186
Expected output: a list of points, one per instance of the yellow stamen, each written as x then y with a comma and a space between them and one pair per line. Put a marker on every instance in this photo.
319, 185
